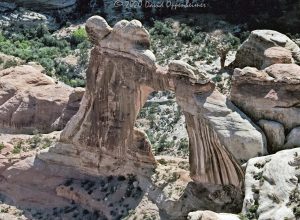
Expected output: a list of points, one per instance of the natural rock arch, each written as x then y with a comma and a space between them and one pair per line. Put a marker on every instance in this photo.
122, 73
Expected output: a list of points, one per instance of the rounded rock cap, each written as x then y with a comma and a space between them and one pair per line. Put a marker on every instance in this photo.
97, 28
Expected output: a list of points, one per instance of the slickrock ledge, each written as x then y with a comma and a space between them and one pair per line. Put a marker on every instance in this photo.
101, 137
30, 100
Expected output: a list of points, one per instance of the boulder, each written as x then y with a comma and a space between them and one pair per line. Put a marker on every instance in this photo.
209, 215
272, 186
275, 55
293, 138
286, 73
97, 28
272, 93
261, 50
30, 100
275, 134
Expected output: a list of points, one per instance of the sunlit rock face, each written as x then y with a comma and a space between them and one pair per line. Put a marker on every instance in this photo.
122, 73
32, 101
271, 94
266, 47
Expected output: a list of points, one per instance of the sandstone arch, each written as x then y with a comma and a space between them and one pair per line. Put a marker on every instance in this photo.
122, 73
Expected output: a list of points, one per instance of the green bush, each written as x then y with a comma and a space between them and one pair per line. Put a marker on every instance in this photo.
186, 34
38, 45
161, 28
2, 146
17, 148
42, 30
184, 145
78, 36
48, 64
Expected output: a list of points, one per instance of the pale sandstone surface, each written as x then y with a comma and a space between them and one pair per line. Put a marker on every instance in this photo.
209, 215
255, 51
275, 55
272, 183
272, 94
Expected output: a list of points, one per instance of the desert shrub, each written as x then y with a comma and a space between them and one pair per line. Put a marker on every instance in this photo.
17, 148
186, 34
42, 30
35, 140
163, 144
78, 36
46, 143
150, 136
217, 78
161, 28
183, 145
296, 211
48, 64
83, 53
2, 146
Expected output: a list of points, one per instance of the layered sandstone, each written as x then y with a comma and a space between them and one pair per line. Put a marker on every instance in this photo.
30, 100
272, 94
122, 73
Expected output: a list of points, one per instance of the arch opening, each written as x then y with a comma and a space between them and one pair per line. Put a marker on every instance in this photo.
161, 118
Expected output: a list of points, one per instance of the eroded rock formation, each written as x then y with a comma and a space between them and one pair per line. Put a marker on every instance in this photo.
30, 100
272, 94
122, 73
266, 47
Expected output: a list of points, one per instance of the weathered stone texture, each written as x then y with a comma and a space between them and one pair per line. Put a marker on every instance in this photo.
266, 47
30, 100
121, 74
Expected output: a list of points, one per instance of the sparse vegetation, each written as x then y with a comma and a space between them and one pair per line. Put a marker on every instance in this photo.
190, 42
38, 45
39, 142
17, 148
2, 146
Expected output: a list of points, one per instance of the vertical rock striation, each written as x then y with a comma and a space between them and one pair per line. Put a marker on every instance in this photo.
101, 137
